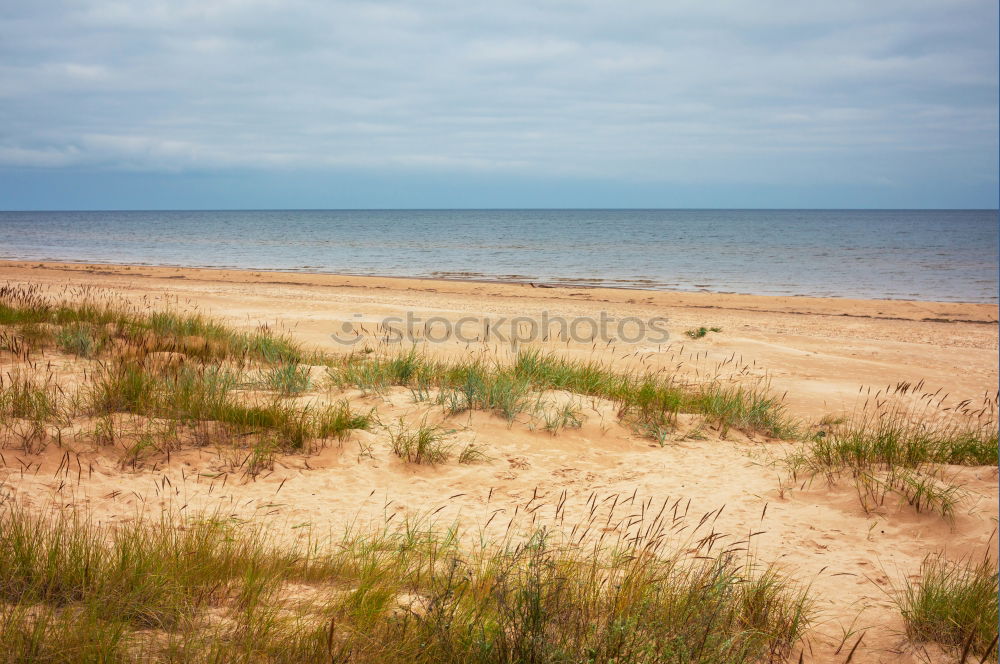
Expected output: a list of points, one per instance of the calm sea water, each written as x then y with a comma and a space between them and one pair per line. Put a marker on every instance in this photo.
932, 255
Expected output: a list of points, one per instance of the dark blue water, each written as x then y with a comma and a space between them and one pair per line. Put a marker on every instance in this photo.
929, 254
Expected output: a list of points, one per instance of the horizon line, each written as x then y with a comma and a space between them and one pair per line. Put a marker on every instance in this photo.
511, 209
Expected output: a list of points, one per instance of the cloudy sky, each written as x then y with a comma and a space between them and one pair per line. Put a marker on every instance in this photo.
572, 103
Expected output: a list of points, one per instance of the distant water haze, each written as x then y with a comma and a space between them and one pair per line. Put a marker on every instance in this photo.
947, 255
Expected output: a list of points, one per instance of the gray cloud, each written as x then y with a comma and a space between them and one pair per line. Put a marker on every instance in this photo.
769, 92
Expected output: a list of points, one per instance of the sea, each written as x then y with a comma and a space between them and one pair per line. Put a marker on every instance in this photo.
947, 255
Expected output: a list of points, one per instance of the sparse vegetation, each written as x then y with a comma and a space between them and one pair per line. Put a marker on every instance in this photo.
145, 383
647, 402
216, 590
699, 332
192, 371
472, 453
207, 394
288, 379
498, 392
899, 442
86, 325
79, 340
424, 443
563, 416
955, 604
180, 377
24, 396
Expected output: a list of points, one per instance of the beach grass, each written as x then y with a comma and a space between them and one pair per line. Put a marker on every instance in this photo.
421, 443
954, 603
567, 415
213, 589
117, 333
183, 368
700, 332
26, 396
209, 588
208, 394
287, 378
84, 324
214, 382
646, 401
901, 441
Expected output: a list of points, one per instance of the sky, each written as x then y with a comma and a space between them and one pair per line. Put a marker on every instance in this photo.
209, 104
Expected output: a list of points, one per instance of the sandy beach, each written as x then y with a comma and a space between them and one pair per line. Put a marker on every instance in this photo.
818, 350
824, 356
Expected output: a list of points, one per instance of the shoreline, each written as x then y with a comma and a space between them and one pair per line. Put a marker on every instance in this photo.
484, 279
947, 256
978, 313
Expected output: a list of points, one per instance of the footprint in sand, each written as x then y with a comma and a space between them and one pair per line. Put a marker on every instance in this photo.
565, 472
816, 545
520, 462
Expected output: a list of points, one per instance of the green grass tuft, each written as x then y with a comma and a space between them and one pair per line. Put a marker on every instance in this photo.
195, 395
900, 444
79, 340
288, 379
955, 604
699, 332
425, 443
205, 589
